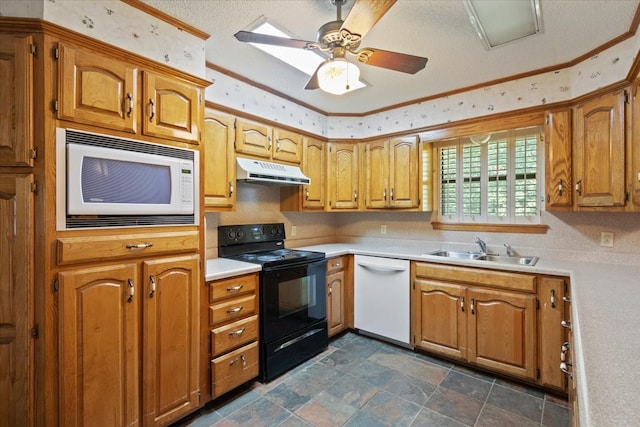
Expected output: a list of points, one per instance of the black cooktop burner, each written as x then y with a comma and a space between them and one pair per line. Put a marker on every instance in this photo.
260, 244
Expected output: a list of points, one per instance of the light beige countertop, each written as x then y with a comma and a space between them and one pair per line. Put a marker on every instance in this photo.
605, 304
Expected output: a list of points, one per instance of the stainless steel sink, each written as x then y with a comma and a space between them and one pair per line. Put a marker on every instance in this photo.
456, 255
519, 260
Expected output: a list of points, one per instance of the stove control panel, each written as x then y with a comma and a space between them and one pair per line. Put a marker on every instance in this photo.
250, 233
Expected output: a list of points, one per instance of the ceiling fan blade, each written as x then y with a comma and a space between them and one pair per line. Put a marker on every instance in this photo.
313, 81
403, 62
364, 14
249, 37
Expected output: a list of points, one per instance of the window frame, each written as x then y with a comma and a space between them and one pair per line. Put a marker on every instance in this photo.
511, 219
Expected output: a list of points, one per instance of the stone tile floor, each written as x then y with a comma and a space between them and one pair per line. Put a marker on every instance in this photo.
360, 381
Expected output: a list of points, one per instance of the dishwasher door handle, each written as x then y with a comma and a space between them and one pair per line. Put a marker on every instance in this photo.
380, 267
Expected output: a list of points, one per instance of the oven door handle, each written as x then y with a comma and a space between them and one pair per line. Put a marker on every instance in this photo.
297, 339
380, 267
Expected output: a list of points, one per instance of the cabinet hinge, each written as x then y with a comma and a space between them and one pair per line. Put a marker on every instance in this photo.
538, 374
35, 332
33, 153
548, 119
626, 96
34, 187
414, 284
537, 304
55, 285
626, 196
55, 53
54, 105
33, 49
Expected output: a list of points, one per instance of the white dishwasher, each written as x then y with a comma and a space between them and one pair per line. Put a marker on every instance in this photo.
381, 297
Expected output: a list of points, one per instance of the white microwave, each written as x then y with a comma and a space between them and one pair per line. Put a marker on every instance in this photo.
104, 181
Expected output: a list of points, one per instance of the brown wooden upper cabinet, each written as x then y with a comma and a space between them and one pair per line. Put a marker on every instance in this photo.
16, 92
558, 179
101, 91
219, 161
343, 177
392, 173
266, 142
634, 146
599, 152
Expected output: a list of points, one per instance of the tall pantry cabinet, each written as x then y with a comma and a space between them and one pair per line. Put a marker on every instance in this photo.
97, 326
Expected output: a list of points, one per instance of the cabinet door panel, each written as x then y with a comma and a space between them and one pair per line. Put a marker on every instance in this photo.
441, 318
599, 152
16, 300
314, 166
287, 146
219, 161
335, 302
16, 112
502, 331
558, 169
343, 176
552, 335
404, 174
170, 336
99, 353
253, 139
376, 163
173, 109
96, 90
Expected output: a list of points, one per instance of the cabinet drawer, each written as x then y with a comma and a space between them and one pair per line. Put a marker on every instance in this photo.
95, 248
232, 287
477, 276
336, 264
236, 308
234, 335
234, 369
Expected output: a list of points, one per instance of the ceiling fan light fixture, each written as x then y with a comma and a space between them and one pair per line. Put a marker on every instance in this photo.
338, 76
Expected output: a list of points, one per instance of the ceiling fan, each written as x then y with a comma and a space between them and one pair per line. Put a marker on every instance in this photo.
339, 38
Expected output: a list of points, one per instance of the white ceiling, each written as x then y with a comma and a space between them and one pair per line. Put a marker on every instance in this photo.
437, 29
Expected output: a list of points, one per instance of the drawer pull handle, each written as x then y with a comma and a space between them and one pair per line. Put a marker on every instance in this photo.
566, 299
565, 324
152, 280
234, 288
130, 106
564, 368
473, 306
462, 304
553, 298
237, 332
131, 290
152, 109
335, 265
234, 361
234, 310
139, 245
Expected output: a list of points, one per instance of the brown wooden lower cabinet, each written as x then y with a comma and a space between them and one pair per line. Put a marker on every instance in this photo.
129, 347
506, 322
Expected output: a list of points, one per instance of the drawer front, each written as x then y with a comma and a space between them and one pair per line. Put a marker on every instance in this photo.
241, 285
231, 310
234, 335
234, 369
336, 264
96, 248
477, 276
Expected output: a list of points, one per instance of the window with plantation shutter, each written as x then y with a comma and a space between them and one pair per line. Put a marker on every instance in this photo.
495, 181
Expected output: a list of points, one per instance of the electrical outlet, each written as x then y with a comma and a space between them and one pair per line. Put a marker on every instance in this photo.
383, 229
606, 239
294, 231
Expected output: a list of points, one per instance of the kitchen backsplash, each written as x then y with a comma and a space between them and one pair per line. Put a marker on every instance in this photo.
571, 235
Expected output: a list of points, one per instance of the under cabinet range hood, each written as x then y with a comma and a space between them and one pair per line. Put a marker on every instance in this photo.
250, 170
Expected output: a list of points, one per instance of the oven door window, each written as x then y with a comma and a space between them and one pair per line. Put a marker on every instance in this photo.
294, 298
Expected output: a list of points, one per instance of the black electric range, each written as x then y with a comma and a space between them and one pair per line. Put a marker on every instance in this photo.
293, 325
